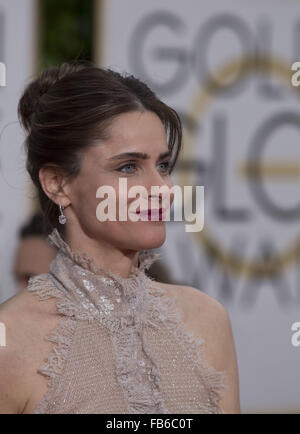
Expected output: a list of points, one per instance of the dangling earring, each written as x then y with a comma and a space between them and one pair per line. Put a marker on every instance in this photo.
62, 218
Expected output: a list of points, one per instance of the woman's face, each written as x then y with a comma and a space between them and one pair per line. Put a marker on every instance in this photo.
101, 165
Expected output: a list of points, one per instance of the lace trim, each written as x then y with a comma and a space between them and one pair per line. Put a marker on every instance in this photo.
61, 336
142, 396
166, 311
146, 257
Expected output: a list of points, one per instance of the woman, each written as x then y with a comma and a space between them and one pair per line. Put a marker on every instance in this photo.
96, 334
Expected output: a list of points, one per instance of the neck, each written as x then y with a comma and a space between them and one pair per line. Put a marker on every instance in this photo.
104, 255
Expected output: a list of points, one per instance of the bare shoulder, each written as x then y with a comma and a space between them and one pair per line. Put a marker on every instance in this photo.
208, 319
194, 301
11, 367
25, 322
205, 316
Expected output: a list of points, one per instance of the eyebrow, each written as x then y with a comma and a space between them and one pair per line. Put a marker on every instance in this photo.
139, 155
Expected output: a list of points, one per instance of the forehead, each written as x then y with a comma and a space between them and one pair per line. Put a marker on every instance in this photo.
133, 131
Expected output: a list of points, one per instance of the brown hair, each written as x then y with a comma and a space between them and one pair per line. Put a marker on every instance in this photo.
68, 107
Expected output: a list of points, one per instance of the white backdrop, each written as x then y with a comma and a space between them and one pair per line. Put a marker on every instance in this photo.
17, 51
242, 144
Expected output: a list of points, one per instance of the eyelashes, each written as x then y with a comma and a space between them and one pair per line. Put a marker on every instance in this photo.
166, 163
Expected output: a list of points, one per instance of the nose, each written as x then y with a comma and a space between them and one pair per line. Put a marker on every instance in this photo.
163, 184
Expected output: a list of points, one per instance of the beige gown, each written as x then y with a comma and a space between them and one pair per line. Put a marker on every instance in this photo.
120, 346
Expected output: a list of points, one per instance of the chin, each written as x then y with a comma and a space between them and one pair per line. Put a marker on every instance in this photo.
151, 239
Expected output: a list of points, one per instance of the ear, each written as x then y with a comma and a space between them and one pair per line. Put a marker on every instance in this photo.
53, 182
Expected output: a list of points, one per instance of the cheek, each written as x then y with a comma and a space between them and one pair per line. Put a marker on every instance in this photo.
110, 198
83, 197
168, 198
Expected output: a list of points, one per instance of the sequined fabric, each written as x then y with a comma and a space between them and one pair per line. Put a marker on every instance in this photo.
121, 345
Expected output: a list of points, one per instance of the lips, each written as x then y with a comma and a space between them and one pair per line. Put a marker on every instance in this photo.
152, 213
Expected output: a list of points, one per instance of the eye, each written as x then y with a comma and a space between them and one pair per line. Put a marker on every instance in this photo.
167, 166
120, 169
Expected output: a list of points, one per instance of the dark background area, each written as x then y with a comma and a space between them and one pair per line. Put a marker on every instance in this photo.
66, 31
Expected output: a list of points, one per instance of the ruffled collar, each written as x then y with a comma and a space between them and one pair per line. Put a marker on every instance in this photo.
94, 292
145, 259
